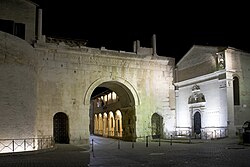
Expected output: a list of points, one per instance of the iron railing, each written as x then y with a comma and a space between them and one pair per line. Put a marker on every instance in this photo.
27, 144
208, 134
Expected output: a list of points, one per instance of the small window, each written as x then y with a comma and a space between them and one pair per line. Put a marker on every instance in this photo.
20, 30
9, 26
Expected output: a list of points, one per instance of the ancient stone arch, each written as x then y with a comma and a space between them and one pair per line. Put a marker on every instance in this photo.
125, 84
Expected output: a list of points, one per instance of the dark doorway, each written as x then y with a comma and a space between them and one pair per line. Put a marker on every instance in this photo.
61, 128
197, 123
156, 123
236, 91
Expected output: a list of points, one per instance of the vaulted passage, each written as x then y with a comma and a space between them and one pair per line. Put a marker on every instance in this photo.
112, 111
61, 128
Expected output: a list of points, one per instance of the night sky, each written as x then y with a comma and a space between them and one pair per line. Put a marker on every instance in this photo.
177, 25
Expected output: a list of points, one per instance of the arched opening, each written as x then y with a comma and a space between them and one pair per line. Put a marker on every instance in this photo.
95, 124
115, 102
157, 126
118, 118
61, 128
100, 122
105, 124
197, 123
111, 124
236, 91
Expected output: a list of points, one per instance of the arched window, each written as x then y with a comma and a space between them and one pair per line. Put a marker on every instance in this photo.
236, 91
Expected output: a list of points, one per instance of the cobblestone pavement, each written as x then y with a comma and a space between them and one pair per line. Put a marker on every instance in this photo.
110, 152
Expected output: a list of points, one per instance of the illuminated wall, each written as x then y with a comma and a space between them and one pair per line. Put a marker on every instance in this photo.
18, 97
238, 62
69, 75
215, 69
66, 74
53, 76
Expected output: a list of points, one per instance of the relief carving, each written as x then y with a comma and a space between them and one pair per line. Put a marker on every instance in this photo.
196, 96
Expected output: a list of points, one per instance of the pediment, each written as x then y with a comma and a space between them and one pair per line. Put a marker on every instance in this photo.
198, 54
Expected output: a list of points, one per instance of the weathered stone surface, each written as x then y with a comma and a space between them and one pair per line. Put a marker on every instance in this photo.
67, 74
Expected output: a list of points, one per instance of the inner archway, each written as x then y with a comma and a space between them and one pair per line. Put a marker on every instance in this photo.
115, 102
61, 128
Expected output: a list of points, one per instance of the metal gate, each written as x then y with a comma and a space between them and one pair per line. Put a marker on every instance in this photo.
61, 128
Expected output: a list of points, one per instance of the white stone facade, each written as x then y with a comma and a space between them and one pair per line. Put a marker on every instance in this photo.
215, 71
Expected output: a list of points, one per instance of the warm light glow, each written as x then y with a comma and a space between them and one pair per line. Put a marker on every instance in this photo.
23, 145
118, 125
100, 125
105, 124
96, 124
111, 124
99, 102
114, 96
105, 99
109, 97
7, 146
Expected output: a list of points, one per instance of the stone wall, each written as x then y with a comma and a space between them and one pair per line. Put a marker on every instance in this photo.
238, 62
68, 76
20, 12
18, 88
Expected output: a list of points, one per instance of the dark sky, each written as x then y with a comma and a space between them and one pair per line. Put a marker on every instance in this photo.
178, 25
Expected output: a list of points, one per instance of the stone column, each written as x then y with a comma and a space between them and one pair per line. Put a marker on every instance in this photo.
39, 26
154, 45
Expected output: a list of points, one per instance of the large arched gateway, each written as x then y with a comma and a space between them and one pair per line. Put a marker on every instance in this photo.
63, 76
133, 85
42, 76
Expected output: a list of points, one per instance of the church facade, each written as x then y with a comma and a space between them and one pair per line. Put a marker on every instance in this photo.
48, 87
212, 93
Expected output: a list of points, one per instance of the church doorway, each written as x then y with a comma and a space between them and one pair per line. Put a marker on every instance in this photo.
197, 123
61, 128
156, 125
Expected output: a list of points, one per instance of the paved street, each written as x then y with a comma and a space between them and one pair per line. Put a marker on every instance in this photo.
223, 152
109, 152
62, 156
